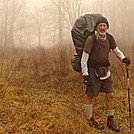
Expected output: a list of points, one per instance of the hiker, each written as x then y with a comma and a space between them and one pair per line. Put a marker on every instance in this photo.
96, 73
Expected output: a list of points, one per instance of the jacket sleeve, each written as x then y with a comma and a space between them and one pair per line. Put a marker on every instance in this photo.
84, 61
118, 53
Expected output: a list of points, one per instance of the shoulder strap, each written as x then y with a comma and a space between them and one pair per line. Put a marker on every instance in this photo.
94, 42
109, 36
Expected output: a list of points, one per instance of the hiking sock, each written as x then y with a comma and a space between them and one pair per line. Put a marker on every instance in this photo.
88, 109
110, 112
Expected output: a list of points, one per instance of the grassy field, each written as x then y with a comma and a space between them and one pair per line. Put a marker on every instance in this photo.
41, 94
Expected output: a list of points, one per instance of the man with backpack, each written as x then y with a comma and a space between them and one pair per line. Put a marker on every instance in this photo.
95, 70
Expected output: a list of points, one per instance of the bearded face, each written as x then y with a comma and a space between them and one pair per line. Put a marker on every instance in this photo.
101, 29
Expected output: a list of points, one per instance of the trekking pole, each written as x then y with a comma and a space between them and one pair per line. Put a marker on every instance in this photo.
129, 95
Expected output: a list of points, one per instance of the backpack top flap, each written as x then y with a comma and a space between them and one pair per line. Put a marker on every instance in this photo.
85, 23
82, 28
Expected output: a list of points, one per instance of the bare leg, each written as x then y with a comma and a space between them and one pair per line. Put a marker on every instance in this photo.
88, 100
88, 108
110, 101
110, 108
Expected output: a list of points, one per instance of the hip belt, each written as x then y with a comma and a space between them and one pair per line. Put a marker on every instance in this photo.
94, 64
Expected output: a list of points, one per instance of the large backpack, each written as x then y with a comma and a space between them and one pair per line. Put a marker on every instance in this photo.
82, 28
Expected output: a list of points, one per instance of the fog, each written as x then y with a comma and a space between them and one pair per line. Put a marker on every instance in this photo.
45, 23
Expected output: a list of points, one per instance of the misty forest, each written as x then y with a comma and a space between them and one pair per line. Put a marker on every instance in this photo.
40, 93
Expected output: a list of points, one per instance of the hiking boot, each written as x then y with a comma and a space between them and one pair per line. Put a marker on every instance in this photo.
111, 125
94, 123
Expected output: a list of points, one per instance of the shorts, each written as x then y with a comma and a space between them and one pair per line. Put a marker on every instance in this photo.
98, 85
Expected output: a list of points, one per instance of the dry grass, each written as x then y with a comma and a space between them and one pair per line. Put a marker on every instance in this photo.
41, 94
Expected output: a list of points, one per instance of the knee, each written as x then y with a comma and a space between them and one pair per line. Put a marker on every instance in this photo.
88, 99
109, 96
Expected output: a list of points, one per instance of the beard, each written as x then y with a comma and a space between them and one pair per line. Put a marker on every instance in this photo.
102, 33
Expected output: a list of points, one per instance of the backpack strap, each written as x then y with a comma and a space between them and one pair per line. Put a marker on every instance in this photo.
109, 36
94, 42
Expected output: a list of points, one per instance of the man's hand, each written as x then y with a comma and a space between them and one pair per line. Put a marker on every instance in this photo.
87, 81
126, 60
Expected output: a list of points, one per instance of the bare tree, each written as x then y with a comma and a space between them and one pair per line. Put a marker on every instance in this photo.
39, 18
67, 11
60, 16
72, 9
9, 13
